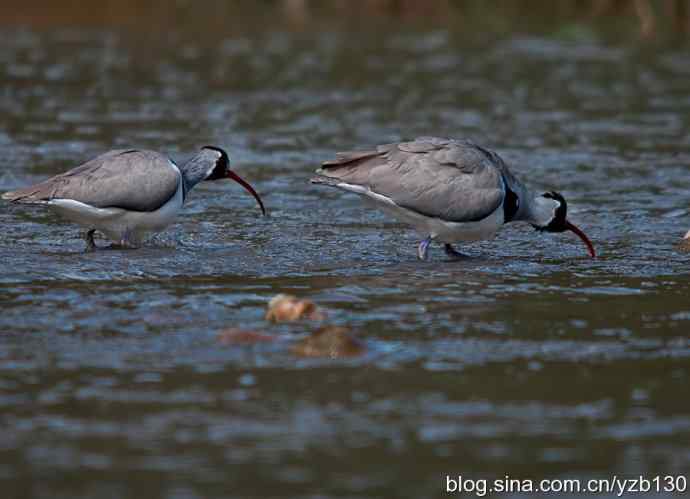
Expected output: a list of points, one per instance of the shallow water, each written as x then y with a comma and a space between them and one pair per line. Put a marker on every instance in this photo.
527, 359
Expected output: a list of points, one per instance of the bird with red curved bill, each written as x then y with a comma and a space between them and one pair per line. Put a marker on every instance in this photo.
127, 194
448, 190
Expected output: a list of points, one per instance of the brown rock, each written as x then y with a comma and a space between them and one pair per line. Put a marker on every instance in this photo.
332, 341
235, 336
684, 244
288, 308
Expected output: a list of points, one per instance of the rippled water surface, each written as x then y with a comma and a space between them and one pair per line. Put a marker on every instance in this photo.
527, 359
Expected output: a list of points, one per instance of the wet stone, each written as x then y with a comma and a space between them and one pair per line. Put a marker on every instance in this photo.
235, 336
332, 341
288, 308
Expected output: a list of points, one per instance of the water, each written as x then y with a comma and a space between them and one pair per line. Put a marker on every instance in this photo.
528, 359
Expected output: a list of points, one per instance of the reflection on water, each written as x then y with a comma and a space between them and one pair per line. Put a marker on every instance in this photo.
528, 359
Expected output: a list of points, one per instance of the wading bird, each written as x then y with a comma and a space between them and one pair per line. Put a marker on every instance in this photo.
126, 194
448, 190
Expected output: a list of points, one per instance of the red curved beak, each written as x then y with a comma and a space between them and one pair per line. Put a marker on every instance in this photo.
582, 236
248, 187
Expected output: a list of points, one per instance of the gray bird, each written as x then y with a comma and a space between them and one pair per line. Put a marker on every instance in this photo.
126, 194
448, 190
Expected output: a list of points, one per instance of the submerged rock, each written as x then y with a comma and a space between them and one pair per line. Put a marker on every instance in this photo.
236, 336
288, 308
332, 341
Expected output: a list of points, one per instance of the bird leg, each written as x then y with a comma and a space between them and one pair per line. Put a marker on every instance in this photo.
452, 252
423, 248
127, 240
90, 243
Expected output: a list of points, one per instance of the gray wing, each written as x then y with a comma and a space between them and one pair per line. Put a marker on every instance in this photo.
449, 179
130, 179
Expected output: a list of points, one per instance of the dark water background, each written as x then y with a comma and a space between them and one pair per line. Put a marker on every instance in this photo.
529, 359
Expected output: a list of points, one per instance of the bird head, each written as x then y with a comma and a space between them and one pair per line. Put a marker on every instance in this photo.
551, 211
220, 169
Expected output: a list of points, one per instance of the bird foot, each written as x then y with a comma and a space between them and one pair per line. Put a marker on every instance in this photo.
453, 253
90, 243
126, 242
423, 248
123, 244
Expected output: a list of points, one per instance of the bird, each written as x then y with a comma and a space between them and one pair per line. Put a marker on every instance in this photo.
449, 190
128, 193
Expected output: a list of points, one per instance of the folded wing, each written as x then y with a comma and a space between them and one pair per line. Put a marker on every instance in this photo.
130, 179
452, 180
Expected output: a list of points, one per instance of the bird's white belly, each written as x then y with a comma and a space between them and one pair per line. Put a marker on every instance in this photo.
439, 230
119, 224
447, 232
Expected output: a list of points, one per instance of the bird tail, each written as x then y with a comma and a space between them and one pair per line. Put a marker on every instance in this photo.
28, 195
323, 179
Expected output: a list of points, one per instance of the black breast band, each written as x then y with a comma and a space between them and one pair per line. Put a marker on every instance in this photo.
511, 204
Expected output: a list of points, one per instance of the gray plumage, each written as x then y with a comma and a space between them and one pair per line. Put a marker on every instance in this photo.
129, 179
453, 180
448, 190
127, 194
